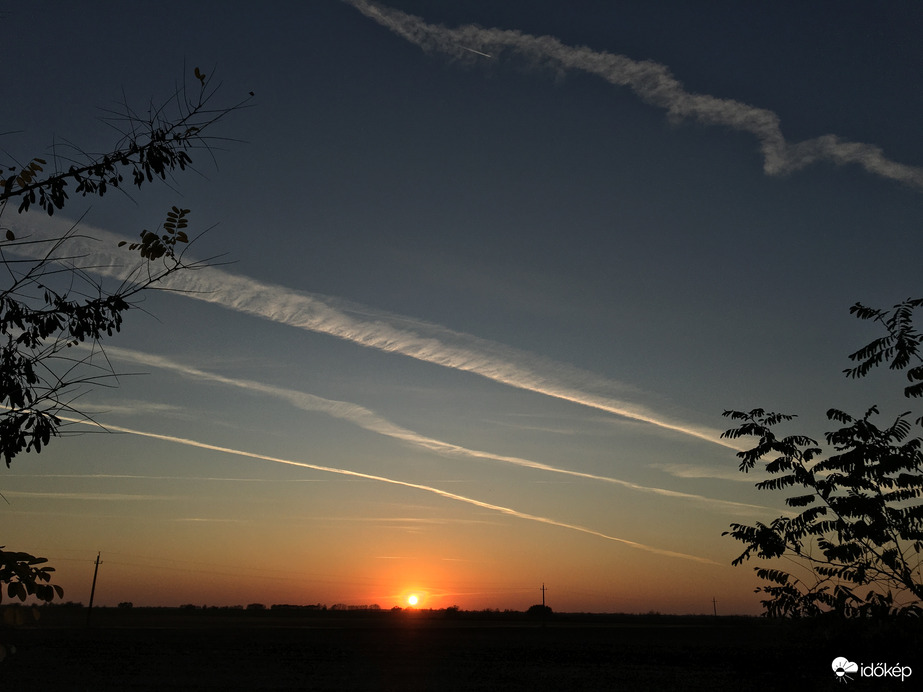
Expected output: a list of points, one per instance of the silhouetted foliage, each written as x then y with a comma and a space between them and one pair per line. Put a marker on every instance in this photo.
899, 348
539, 611
24, 577
856, 529
152, 146
54, 312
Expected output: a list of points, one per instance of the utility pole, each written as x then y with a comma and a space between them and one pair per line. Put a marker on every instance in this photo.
545, 609
93, 590
714, 605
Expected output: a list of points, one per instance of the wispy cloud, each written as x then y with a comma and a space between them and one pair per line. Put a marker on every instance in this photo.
92, 497
134, 476
396, 334
365, 326
373, 422
422, 521
652, 82
728, 474
137, 407
406, 484
425, 342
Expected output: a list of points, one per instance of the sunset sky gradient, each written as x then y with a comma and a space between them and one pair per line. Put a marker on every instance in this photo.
497, 269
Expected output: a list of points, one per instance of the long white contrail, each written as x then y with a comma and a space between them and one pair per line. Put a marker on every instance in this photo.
653, 83
423, 341
374, 422
392, 481
379, 330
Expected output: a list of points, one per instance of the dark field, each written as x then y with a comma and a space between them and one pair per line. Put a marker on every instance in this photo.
165, 649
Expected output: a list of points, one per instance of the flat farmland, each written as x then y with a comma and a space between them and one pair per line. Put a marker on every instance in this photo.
421, 651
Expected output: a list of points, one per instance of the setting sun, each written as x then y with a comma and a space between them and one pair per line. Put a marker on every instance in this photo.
412, 599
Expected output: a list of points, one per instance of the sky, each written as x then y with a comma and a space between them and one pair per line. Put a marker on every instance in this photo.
495, 272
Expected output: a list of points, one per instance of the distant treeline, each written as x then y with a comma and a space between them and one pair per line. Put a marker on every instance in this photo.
261, 611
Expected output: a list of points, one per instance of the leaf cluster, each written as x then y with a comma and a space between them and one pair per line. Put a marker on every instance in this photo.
23, 577
899, 347
154, 246
35, 335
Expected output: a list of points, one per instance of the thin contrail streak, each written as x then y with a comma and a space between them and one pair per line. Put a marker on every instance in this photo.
654, 84
373, 422
386, 332
476, 52
93, 497
392, 481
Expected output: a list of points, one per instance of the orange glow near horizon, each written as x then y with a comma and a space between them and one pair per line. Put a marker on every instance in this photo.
415, 598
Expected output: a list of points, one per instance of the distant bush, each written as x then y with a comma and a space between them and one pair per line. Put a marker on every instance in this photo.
539, 611
66, 604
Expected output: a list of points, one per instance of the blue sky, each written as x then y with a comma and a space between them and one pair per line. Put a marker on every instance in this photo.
511, 294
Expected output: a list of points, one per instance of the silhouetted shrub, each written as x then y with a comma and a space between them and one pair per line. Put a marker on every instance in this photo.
538, 611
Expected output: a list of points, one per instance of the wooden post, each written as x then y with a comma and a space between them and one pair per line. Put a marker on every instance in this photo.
93, 590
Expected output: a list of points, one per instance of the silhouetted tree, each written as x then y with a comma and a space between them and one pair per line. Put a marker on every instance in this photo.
54, 312
856, 531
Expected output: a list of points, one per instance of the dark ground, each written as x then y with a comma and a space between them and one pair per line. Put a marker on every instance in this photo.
165, 649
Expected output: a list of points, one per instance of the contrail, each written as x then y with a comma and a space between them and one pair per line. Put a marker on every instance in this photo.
392, 481
422, 341
654, 84
373, 422
380, 330
477, 52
